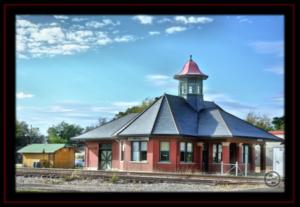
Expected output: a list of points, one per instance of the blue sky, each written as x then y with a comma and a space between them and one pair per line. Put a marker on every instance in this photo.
79, 68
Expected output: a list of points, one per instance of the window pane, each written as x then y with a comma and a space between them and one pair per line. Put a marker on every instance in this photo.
189, 147
135, 151
136, 156
189, 157
106, 146
143, 146
182, 146
220, 147
182, 156
164, 146
164, 156
135, 146
143, 155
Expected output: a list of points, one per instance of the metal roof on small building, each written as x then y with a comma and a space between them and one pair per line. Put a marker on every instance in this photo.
41, 148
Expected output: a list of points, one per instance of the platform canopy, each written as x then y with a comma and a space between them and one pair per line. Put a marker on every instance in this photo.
173, 115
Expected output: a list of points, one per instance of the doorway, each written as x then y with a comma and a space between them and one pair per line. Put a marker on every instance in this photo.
105, 156
205, 157
232, 153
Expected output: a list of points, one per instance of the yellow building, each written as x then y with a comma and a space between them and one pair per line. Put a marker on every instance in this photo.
48, 155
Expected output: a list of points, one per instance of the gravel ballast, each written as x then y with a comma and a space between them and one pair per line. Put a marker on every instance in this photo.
38, 184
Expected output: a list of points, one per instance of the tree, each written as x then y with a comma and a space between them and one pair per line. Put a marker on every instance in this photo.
62, 132
26, 135
136, 109
278, 123
263, 122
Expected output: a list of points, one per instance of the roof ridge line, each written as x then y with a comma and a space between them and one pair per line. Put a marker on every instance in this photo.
248, 123
113, 135
137, 116
172, 115
163, 97
226, 125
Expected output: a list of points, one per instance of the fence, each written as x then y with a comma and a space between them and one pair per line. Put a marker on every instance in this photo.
230, 168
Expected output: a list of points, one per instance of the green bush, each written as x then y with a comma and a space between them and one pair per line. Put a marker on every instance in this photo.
114, 178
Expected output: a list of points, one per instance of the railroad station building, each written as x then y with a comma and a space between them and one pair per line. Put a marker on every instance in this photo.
177, 133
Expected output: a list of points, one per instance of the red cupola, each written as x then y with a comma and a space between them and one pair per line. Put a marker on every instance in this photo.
191, 69
191, 84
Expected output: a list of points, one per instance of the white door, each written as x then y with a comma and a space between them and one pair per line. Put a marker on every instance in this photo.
278, 160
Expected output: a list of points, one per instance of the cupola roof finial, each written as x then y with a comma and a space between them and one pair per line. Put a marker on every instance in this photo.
191, 57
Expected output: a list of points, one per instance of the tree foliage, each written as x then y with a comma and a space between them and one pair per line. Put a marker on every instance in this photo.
27, 135
62, 132
260, 121
136, 109
278, 123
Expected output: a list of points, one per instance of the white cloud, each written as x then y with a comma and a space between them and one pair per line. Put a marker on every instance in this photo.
104, 41
163, 20
175, 29
51, 35
276, 69
39, 40
125, 38
157, 77
161, 80
61, 17
143, 19
68, 49
153, 33
80, 36
60, 109
102, 23
278, 99
193, 20
24, 23
78, 19
94, 24
244, 19
124, 104
22, 95
269, 47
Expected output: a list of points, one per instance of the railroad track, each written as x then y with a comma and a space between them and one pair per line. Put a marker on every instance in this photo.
138, 177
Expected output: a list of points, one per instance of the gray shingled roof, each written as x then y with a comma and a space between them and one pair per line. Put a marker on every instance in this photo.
172, 115
107, 130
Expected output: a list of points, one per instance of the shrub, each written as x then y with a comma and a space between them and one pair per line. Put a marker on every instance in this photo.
114, 179
71, 177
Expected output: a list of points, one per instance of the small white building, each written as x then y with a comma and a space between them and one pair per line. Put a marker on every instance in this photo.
274, 154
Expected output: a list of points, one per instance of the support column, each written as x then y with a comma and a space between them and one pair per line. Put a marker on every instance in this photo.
225, 155
200, 145
239, 154
262, 158
252, 157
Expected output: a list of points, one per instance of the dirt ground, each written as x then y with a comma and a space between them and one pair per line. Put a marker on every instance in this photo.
97, 185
